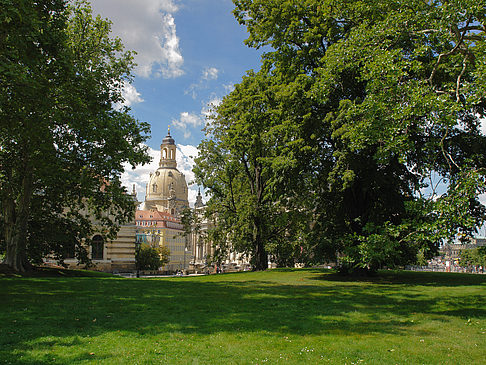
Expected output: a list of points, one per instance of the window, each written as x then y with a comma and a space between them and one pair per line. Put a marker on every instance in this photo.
97, 247
69, 250
154, 188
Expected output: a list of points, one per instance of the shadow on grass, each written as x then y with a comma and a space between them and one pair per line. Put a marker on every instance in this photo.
49, 312
410, 278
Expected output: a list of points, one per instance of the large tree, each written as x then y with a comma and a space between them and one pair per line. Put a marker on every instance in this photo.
400, 88
239, 163
63, 136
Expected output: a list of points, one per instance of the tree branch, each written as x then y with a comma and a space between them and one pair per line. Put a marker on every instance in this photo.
458, 82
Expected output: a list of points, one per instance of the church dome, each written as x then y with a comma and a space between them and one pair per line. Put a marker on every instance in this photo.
165, 183
167, 187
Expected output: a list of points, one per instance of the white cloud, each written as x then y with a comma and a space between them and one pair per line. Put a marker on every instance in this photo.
147, 27
141, 174
185, 160
210, 73
130, 94
186, 121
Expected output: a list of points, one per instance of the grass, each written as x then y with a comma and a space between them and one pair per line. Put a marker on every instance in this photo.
280, 316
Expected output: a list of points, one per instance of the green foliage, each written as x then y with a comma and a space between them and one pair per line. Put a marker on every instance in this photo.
473, 257
63, 139
240, 163
382, 98
151, 258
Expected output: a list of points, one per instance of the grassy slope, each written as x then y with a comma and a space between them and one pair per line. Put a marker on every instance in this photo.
280, 316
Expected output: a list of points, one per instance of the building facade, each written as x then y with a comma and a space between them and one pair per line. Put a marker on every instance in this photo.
163, 229
203, 249
116, 255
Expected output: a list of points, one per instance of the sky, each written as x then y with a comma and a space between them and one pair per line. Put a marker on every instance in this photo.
190, 53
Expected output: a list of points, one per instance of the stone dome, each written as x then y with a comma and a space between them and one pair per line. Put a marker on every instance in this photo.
167, 187
164, 180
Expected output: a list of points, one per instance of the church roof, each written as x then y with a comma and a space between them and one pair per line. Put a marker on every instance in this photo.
168, 138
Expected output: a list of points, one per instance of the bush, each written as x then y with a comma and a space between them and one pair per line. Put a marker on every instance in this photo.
151, 258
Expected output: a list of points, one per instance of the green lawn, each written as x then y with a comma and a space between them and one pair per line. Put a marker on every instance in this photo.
280, 316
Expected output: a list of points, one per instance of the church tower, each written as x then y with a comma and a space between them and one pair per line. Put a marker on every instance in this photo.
199, 203
168, 152
167, 187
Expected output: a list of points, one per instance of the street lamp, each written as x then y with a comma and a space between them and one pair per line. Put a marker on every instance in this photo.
185, 250
137, 253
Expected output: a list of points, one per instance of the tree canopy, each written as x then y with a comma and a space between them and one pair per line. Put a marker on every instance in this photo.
378, 107
149, 257
238, 164
64, 137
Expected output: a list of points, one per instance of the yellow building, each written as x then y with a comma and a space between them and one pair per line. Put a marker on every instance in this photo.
163, 229
116, 255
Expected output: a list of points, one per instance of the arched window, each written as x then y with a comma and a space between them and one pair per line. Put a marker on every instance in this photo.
69, 250
97, 247
154, 188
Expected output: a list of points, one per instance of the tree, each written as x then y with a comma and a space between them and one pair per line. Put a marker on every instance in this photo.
151, 258
473, 257
237, 163
63, 140
400, 90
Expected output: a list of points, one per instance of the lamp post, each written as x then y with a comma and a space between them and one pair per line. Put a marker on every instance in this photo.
137, 252
185, 250
149, 236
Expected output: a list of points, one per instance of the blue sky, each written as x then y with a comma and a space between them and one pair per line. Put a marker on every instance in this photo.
190, 54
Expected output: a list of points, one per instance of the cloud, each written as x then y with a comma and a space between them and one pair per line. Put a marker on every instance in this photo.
147, 27
229, 88
140, 175
188, 120
130, 94
210, 73
207, 74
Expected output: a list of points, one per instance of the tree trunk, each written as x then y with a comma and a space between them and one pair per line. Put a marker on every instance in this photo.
260, 260
16, 225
